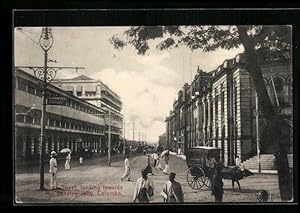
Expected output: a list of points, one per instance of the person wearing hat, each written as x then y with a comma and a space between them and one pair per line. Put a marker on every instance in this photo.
144, 189
53, 170
68, 160
217, 184
172, 191
127, 169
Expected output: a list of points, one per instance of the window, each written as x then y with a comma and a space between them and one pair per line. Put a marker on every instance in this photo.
21, 85
89, 93
31, 90
79, 93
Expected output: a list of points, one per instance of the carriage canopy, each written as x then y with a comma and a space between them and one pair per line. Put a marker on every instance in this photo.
198, 156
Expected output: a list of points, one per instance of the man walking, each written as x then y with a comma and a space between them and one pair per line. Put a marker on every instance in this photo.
166, 170
127, 169
172, 191
53, 170
155, 157
217, 184
67, 164
144, 189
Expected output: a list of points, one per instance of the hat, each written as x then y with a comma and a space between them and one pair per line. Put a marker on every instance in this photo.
172, 174
53, 153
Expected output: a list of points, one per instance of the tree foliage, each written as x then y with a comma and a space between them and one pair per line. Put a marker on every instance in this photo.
268, 41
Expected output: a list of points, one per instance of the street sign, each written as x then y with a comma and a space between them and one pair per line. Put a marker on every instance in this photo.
56, 101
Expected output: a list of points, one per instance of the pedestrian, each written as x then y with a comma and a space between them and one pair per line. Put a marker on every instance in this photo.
127, 169
166, 169
68, 160
81, 160
144, 189
172, 191
155, 157
53, 170
217, 184
238, 163
148, 168
158, 164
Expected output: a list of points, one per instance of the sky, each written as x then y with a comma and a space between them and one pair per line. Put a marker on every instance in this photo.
146, 84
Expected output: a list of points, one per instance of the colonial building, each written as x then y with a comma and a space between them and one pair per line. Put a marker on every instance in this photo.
100, 95
76, 124
219, 109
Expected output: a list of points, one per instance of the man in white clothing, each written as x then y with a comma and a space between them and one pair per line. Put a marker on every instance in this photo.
144, 189
53, 170
172, 191
127, 169
67, 164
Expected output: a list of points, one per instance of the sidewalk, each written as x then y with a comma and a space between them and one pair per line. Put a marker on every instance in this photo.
255, 171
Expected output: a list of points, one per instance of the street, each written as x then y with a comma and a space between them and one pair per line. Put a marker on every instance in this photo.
98, 183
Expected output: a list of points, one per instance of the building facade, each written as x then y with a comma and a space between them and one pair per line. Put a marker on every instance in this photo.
76, 124
219, 109
100, 95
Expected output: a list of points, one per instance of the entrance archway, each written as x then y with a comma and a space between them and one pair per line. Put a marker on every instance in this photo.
286, 138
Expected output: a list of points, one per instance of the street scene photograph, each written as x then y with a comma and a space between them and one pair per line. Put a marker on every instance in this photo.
153, 114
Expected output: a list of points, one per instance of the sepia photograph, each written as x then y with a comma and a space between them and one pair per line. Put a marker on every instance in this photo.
180, 114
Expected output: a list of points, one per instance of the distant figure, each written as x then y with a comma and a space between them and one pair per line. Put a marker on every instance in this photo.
68, 160
127, 169
158, 164
53, 170
144, 189
166, 170
172, 191
217, 184
148, 168
238, 162
144, 151
155, 157
80, 160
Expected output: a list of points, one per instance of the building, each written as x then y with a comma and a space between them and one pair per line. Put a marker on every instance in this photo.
100, 95
75, 124
162, 140
219, 109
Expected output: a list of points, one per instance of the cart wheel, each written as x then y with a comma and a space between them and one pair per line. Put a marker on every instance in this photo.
196, 177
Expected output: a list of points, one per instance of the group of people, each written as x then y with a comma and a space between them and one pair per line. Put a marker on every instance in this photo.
144, 189
53, 167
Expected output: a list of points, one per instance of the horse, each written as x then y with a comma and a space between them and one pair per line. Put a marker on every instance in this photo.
235, 174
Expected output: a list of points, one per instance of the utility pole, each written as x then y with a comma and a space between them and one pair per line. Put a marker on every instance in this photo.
133, 130
124, 144
257, 132
46, 74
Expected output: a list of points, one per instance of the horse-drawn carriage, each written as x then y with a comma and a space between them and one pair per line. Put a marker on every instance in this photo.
201, 161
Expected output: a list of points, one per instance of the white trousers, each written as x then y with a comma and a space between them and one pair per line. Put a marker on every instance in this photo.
166, 170
53, 180
126, 174
67, 165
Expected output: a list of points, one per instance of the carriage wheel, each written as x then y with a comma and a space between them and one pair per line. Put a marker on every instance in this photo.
196, 177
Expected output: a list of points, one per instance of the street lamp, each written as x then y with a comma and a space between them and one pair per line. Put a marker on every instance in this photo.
46, 42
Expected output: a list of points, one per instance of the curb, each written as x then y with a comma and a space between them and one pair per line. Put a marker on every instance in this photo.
255, 171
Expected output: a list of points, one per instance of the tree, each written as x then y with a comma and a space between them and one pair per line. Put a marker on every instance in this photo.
260, 43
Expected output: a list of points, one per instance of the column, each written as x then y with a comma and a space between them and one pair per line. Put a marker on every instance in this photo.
74, 90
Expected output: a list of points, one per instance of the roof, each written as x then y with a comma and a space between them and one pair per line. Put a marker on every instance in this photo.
82, 77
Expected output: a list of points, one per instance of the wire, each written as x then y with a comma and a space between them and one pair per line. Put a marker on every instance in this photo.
30, 38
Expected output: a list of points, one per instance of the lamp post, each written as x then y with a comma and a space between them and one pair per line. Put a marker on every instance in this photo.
46, 75
46, 42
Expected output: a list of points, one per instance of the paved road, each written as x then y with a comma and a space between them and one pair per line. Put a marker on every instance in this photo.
98, 183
